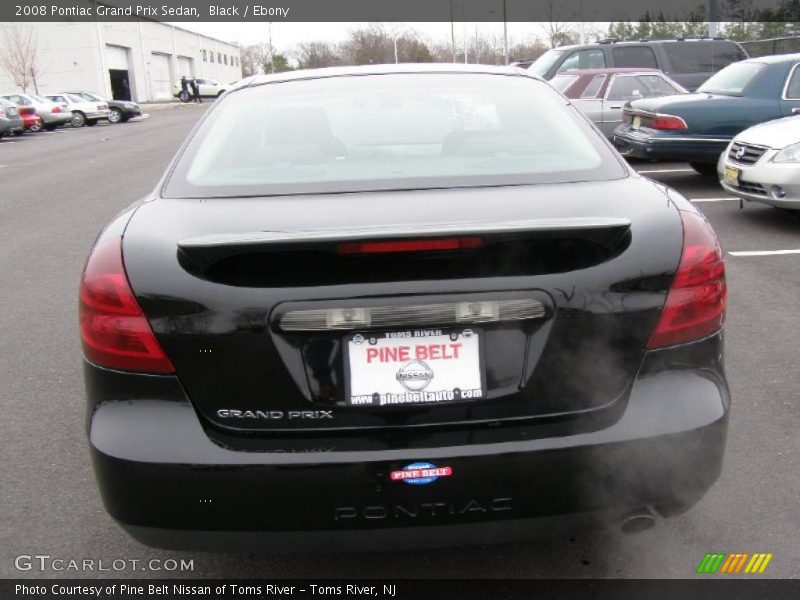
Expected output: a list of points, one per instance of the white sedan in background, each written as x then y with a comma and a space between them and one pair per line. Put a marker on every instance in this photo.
84, 112
762, 164
208, 88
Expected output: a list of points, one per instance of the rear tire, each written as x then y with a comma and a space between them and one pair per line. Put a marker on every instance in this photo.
35, 128
115, 116
707, 169
78, 119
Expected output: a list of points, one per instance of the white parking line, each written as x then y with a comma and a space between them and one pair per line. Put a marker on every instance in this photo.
763, 252
3, 166
726, 199
669, 171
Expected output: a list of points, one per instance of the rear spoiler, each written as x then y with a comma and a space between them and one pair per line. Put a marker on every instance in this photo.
269, 239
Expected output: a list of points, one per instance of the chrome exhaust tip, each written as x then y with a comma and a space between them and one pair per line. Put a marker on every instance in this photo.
638, 520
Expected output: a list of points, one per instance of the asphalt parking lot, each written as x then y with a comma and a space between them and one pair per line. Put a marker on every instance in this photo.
58, 189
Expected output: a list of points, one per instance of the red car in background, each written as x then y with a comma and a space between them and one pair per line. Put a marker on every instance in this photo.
30, 119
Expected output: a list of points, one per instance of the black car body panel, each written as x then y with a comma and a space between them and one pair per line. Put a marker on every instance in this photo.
172, 482
251, 441
250, 366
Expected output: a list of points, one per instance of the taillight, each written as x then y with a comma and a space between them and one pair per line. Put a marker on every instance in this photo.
56, 109
114, 331
667, 122
2, 113
428, 245
695, 305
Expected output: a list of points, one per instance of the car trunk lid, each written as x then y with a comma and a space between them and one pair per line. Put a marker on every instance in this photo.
554, 306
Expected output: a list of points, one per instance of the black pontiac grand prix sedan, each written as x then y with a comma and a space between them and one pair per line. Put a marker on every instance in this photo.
401, 306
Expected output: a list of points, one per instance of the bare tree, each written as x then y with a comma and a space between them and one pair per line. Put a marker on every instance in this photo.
369, 45
558, 33
253, 57
317, 54
527, 50
19, 55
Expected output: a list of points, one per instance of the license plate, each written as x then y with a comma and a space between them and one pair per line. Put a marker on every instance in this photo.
637, 122
731, 175
413, 368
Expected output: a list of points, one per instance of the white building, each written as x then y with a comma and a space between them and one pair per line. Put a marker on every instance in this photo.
136, 60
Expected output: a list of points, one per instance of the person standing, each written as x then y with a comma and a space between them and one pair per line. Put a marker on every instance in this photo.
184, 95
195, 90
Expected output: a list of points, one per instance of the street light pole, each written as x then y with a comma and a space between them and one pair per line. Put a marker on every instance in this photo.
464, 31
505, 34
271, 57
713, 25
452, 33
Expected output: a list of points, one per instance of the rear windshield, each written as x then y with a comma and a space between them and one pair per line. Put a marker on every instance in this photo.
702, 56
562, 82
383, 132
732, 80
542, 64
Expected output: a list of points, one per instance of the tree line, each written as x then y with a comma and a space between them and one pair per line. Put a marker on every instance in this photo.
380, 43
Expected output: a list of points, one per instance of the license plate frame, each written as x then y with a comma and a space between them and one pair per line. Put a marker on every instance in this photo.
426, 397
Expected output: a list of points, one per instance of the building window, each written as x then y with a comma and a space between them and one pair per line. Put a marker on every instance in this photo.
225, 59
205, 56
212, 56
219, 57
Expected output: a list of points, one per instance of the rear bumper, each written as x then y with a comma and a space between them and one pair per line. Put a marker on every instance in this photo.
169, 485
644, 144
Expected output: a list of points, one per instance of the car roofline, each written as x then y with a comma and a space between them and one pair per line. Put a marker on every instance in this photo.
366, 70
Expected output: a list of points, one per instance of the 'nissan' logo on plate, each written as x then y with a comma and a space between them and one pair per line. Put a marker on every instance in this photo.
415, 375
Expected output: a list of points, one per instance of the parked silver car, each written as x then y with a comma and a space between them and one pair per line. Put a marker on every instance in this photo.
51, 114
84, 112
762, 164
601, 94
10, 120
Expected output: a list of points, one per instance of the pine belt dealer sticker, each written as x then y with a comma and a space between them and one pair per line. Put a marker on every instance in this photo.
420, 473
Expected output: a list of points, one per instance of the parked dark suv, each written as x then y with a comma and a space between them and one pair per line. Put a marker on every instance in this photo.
688, 61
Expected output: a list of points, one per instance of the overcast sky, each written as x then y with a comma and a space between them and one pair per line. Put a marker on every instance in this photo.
286, 36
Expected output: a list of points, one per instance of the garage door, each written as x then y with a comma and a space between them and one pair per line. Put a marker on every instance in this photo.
116, 57
160, 79
185, 66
